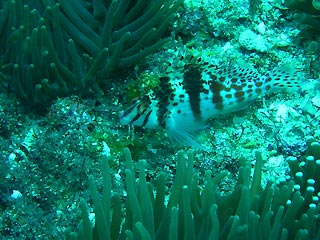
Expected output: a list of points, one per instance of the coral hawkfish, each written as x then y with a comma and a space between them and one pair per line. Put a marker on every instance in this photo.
185, 99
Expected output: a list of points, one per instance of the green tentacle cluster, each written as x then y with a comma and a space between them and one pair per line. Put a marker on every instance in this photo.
308, 14
307, 6
288, 210
53, 48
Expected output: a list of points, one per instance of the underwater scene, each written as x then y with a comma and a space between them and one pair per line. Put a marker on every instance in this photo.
155, 120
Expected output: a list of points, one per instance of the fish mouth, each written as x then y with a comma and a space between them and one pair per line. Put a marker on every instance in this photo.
122, 117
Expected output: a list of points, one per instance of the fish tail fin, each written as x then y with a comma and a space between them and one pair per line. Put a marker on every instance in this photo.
283, 79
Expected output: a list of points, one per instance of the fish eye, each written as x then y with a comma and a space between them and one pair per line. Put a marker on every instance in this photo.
135, 100
142, 108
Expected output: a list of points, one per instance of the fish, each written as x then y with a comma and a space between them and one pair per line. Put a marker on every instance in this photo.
189, 96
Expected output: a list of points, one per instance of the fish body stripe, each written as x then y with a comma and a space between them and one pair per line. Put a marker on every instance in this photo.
192, 81
164, 95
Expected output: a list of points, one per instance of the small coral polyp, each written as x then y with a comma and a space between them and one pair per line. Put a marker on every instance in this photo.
316, 4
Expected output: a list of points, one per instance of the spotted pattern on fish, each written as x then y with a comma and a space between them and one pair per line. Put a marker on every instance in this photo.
185, 99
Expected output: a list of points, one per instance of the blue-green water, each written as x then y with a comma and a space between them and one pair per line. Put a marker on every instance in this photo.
48, 152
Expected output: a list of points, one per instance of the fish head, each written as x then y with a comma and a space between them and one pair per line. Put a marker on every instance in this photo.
142, 113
